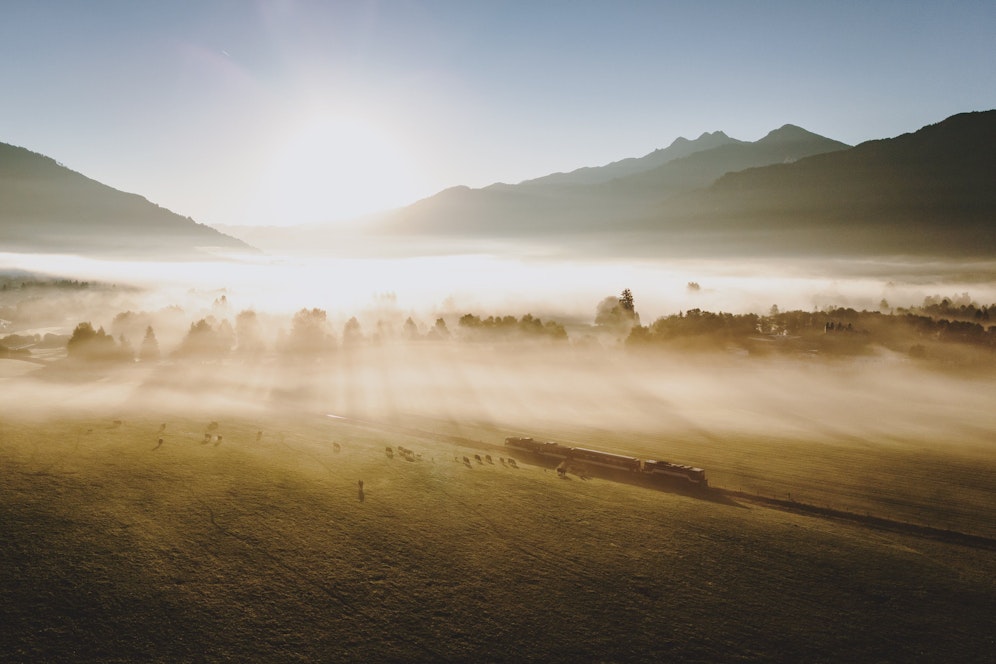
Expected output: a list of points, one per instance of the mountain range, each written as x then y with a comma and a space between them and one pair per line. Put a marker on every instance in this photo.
681, 147
48, 208
930, 192
596, 199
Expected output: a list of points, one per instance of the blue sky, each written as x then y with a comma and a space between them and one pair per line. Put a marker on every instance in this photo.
284, 112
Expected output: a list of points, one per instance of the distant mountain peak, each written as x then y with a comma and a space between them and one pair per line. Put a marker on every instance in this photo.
706, 139
680, 147
788, 132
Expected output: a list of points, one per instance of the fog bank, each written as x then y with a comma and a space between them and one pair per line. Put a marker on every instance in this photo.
429, 286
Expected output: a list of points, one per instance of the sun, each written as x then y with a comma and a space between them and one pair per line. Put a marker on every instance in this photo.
334, 168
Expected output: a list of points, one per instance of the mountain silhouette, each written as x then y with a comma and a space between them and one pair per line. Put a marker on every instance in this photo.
594, 200
931, 193
928, 192
680, 147
700, 169
48, 208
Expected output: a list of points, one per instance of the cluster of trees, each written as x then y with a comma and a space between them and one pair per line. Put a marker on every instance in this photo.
89, 344
617, 314
11, 283
209, 338
438, 332
310, 335
205, 339
953, 330
833, 331
960, 309
16, 342
96, 345
697, 327
509, 327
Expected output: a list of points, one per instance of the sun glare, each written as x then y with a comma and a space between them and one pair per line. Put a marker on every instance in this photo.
333, 168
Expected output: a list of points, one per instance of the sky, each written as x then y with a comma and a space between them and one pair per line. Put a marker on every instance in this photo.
274, 113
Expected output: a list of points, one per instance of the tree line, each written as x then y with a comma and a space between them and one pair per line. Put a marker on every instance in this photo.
833, 331
310, 335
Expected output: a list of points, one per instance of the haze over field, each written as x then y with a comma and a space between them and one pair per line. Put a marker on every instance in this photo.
887, 382
394, 331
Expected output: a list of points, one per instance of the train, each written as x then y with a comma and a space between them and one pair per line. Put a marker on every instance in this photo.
642, 468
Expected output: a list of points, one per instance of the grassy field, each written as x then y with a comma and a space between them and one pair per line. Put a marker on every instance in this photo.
261, 546
944, 487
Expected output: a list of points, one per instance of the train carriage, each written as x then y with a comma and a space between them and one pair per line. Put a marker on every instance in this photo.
651, 469
678, 471
604, 459
552, 450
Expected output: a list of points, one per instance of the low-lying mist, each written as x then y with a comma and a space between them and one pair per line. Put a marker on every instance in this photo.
426, 287
878, 400
389, 344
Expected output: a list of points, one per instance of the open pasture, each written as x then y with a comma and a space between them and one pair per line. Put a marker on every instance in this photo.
261, 545
948, 488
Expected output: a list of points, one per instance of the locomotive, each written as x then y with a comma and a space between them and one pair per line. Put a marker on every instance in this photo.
649, 468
